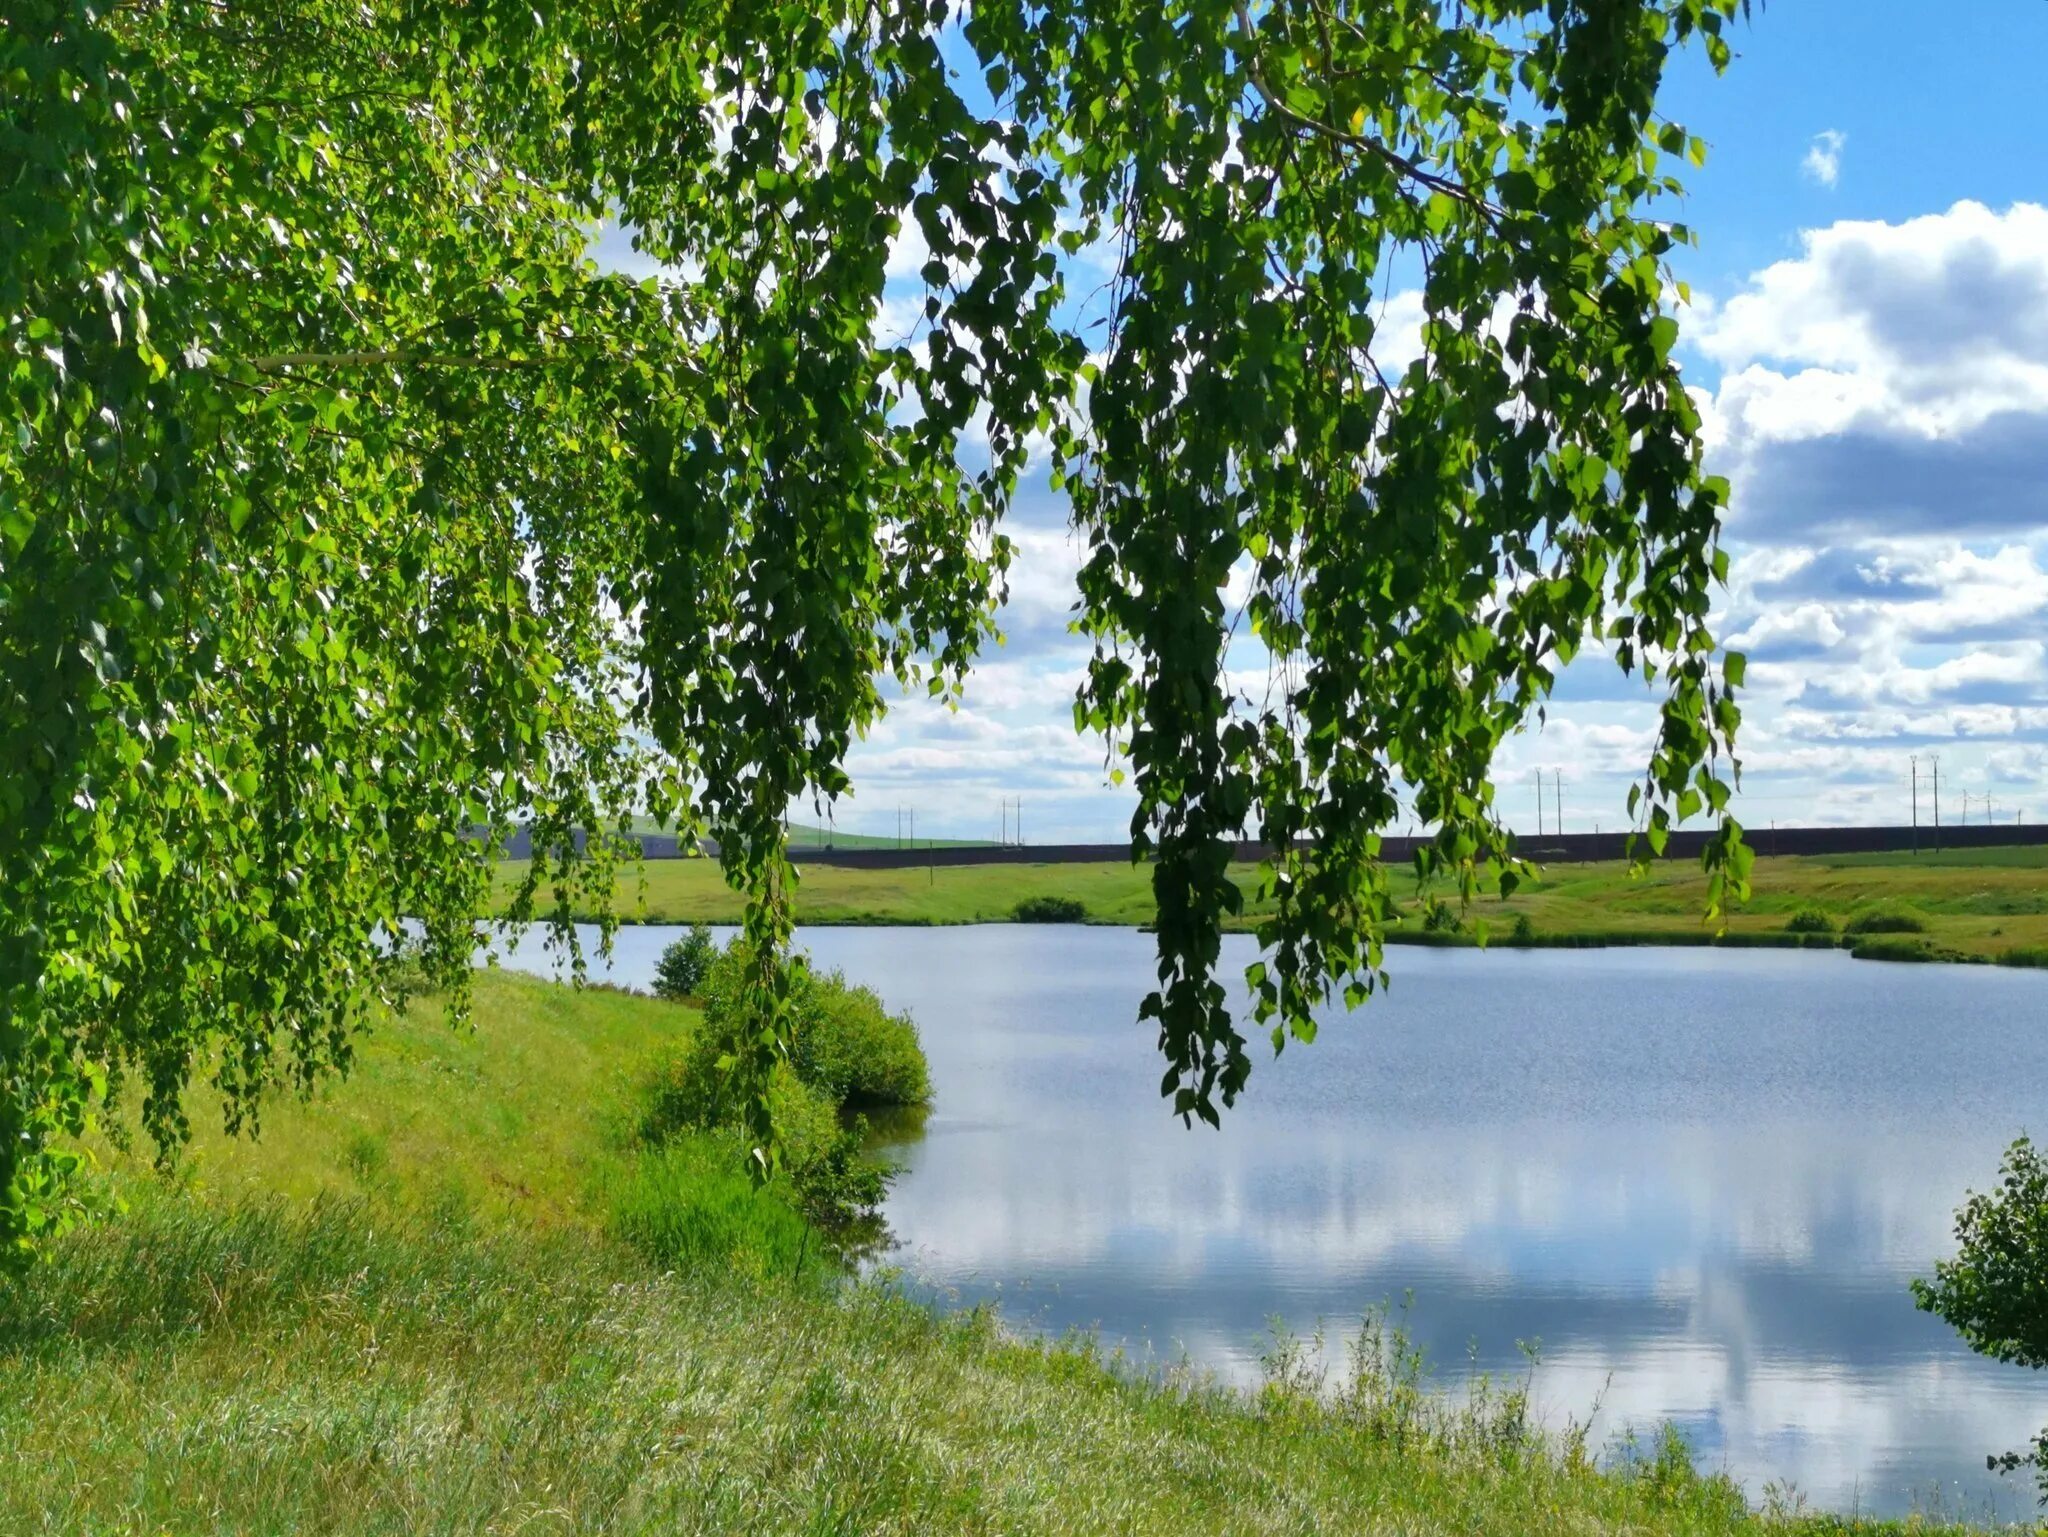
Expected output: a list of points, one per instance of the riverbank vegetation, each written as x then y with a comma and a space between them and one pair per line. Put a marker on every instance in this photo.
1971, 904
450, 1295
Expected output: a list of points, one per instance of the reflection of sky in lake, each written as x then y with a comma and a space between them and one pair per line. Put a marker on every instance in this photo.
1701, 1179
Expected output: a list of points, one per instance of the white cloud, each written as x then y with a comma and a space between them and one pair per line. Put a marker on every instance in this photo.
1804, 631
1823, 162
1892, 379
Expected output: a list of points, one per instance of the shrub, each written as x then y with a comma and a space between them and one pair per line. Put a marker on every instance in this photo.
1995, 1291
1809, 920
1887, 947
684, 965
1886, 920
1524, 931
1050, 909
846, 1051
831, 1179
1440, 918
844, 1043
849, 1047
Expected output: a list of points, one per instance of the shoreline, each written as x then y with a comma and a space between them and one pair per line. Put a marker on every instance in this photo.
1897, 949
1979, 906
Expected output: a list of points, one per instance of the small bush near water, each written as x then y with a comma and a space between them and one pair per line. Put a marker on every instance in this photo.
1995, 1291
847, 1053
1890, 947
1809, 920
1886, 920
1439, 917
1050, 909
684, 965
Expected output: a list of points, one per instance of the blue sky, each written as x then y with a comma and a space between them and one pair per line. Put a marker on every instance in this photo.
1869, 342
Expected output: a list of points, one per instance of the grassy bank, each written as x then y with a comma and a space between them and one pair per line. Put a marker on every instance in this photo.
1985, 904
411, 1308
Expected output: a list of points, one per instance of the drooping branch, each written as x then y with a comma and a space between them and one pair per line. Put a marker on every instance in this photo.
1412, 169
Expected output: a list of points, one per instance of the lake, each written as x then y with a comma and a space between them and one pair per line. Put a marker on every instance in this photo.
1699, 1180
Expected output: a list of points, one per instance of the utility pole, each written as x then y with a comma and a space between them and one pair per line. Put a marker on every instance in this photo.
1539, 803
1915, 761
1935, 769
1559, 776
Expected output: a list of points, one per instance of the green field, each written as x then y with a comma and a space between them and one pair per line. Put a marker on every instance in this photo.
408, 1309
808, 837
1987, 904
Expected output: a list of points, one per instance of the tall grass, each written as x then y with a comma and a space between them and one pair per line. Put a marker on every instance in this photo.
337, 1368
689, 1206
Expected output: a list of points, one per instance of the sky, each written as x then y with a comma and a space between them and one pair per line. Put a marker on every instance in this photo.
1868, 337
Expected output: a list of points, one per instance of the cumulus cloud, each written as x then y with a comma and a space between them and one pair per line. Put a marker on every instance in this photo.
1823, 162
1890, 380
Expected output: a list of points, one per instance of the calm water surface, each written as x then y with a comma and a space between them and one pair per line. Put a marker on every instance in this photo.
1700, 1179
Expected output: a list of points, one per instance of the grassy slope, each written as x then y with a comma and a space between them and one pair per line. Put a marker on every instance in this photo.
443, 1338
519, 1116
1978, 902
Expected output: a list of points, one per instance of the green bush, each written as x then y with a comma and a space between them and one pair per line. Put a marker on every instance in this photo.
1886, 920
1524, 932
844, 1043
684, 965
1995, 1291
1887, 947
849, 1047
1050, 909
1439, 917
847, 1051
830, 1177
1809, 920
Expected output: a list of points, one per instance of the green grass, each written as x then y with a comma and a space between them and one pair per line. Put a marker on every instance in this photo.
507, 1320
808, 837
692, 890
514, 1118
1979, 904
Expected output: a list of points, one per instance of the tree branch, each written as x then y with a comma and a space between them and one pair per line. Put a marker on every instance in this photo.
1414, 170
